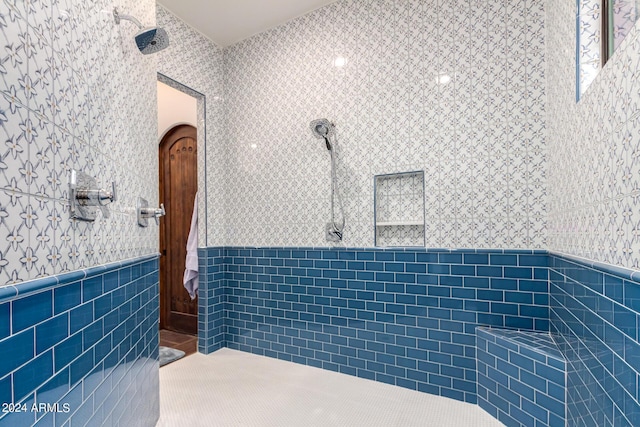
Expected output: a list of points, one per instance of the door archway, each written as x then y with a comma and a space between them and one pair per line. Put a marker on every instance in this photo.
178, 185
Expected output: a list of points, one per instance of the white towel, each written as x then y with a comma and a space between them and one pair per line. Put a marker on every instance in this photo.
191, 263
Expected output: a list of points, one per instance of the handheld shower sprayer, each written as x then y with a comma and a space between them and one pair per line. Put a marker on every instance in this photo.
324, 129
149, 40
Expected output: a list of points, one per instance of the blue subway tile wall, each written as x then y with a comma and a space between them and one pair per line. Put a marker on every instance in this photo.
595, 309
408, 317
211, 293
521, 377
86, 341
401, 316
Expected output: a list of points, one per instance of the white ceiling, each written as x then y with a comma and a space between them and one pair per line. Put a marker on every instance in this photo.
227, 22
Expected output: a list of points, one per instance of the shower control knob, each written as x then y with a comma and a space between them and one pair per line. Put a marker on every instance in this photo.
96, 198
105, 211
86, 197
158, 213
114, 195
90, 197
146, 212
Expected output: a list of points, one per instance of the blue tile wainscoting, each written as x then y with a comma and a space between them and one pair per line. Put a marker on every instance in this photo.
86, 341
521, 377
211, 295
409, 316
401, 316
594, 310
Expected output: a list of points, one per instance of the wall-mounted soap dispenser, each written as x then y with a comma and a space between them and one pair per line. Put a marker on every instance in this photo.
85, 198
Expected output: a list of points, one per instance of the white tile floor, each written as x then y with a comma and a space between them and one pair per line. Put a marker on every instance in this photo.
232, 388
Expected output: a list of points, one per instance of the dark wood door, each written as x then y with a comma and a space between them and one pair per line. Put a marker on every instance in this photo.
178, 186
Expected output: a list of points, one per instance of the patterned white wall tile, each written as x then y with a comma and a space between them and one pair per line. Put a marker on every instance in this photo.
194, 61
15, 232
426, 87
14, 118
393, 109
593, 148
57, 112
41, 238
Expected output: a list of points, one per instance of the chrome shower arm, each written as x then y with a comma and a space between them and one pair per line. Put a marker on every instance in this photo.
119, 17
148, 40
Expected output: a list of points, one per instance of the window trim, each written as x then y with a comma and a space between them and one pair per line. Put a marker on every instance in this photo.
606, 31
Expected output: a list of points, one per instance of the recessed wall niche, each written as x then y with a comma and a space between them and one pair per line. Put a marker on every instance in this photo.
399, 209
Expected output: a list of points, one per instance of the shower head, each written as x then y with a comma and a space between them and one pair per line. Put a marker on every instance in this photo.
152, 40
149, 40
323, 129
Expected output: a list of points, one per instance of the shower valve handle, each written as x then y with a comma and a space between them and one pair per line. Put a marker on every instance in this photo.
153, 213
98, 198
105, 197
90, 197
157, 213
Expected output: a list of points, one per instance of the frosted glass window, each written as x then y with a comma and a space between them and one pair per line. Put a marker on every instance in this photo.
601, 26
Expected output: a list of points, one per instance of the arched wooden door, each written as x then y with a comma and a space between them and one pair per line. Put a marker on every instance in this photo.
178, 186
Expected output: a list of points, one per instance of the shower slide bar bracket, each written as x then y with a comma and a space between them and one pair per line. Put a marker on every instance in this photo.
145, 212
85, 198
332, 234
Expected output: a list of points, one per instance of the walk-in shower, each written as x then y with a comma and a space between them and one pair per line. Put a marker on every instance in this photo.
149, 40
325, 130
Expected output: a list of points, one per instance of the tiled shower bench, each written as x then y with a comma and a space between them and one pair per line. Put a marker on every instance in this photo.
521, 377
